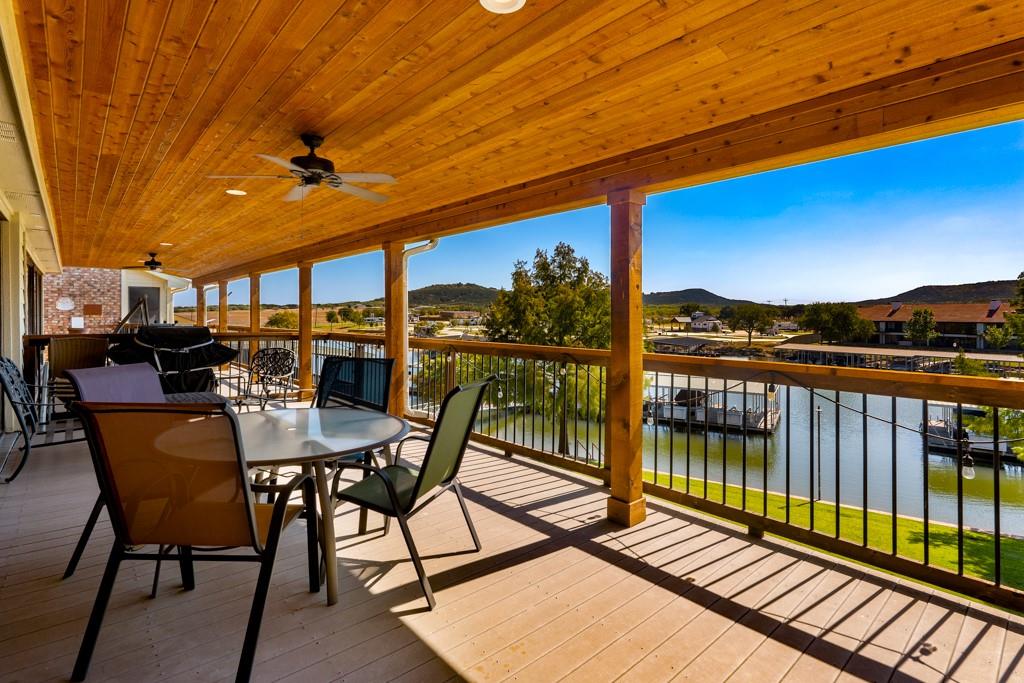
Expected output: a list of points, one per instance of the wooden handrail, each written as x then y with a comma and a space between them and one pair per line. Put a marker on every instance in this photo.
984, 391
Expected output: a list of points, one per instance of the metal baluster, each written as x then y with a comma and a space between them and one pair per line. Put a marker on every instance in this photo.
789, 431
810, 435
764, 453
707, 409
864, 469
960, 489
924, 474
895, 521
671, 431
837, 472
997, 470
689, 432
743, 417
586, 431
653, 416
725, 435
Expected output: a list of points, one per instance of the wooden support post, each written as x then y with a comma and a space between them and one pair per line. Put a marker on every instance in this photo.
254, 311
200, 304
305, 329
396, 324
222, 306
626, 362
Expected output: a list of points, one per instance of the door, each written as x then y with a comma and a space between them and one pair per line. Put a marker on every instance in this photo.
152, 297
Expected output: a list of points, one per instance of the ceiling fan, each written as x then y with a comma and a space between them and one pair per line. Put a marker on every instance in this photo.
151, 264
312, 171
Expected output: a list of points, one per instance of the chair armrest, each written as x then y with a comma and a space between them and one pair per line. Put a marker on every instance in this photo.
388, 484
283, 493
410, 437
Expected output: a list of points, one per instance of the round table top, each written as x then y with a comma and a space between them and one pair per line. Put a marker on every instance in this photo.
293, 436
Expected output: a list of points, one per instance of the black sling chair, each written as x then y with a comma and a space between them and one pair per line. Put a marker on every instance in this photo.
176, 476
400, 492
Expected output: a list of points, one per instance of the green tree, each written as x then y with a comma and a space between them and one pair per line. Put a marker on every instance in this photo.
558, 301
753, 318
284, 319
332, 318
688, 308
836, 322
921, 327
998, 337
962, 365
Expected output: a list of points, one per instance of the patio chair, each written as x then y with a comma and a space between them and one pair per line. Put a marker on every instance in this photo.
132, 383
270, 371
354, 382
347, 381
176, 476
71, 353
29, 413
400, 492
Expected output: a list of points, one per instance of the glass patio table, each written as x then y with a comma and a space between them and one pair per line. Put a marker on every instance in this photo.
309, 437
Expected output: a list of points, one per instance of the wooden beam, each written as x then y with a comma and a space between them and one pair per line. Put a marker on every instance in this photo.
306, 328
969, 91
200, 304
222, 306
626, 361
396, 324
254, 311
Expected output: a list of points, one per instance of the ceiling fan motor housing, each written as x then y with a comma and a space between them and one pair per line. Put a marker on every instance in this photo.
311, 162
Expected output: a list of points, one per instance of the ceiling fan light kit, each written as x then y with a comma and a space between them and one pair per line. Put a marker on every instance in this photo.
503, 6
312, 171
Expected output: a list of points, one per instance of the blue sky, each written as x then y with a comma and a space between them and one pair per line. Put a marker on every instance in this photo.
941, 211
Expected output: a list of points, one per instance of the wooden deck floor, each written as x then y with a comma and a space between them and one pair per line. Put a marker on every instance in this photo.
557, 593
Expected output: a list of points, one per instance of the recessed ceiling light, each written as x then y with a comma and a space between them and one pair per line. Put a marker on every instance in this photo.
236, 193
503, 6
167, 244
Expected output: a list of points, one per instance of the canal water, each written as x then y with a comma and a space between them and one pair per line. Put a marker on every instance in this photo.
667, 450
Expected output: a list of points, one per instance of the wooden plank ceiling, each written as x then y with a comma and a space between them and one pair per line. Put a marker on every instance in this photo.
137, 102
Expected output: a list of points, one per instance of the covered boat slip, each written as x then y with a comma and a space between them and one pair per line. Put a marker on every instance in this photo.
557, 593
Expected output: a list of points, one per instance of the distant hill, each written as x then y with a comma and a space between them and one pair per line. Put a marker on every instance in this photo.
975, 292
457, 293
690, 296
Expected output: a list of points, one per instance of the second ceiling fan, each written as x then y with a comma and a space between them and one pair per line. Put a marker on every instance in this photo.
312, 171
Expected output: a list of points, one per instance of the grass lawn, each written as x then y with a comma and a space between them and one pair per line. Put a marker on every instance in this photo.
979, 547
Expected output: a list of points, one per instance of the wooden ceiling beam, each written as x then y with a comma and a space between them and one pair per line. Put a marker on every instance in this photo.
982, 88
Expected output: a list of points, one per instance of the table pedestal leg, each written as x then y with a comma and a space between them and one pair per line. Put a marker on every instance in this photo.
330, 540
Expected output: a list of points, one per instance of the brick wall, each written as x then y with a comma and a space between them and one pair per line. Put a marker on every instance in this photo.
84, 286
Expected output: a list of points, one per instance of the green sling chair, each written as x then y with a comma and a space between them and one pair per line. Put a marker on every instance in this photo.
400, 492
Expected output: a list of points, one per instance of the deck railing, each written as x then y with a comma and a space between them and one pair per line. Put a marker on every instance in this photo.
913, 472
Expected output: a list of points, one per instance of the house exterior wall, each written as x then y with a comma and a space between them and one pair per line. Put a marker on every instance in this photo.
92, 286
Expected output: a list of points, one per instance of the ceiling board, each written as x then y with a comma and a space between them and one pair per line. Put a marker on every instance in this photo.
136, 102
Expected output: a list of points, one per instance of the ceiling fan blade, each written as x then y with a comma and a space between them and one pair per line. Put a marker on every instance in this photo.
232, 177
284, 163
298, 192
360, 192
364, 178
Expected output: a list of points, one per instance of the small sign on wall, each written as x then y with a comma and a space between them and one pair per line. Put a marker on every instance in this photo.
77, 322
93, 309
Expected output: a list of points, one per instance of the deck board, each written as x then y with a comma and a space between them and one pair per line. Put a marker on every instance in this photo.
557, 593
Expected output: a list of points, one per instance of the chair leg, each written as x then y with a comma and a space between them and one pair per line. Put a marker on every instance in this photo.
84, 538
367, 460
465, 513
252, 631
188, 574
24, 456
312, 542
424, 582
92, 630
